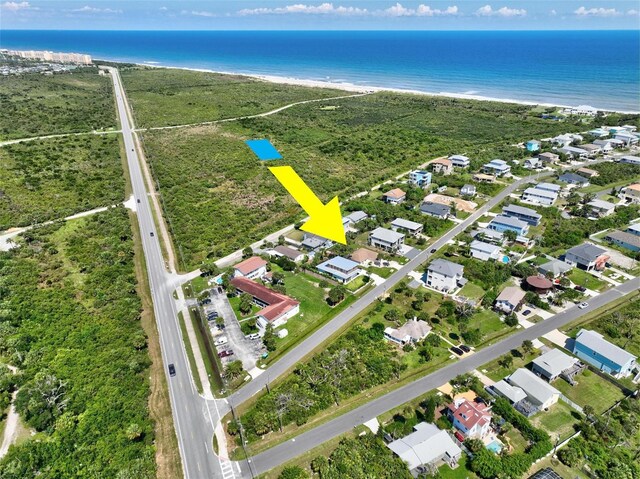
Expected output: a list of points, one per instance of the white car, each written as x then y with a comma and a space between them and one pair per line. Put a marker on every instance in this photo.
222, 340
583, 305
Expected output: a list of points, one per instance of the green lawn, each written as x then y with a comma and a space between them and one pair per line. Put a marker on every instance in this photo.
235, 305
582, 278
559, 420
382, 272
517, 441
490, 325
471, 291
356, 283
591, 389
460, 472
497, 372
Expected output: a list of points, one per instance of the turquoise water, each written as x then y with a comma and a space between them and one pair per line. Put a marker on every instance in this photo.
600, 68
495, 446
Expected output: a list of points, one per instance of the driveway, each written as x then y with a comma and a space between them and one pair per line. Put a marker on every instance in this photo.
409, 252
246, 350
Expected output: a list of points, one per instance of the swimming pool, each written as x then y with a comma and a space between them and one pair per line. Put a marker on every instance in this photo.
495, 446
505, 259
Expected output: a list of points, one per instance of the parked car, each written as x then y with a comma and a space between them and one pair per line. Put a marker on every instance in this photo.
225, 353
526, 312
206, 301
253, 336
172, 370
433, 250
583, 305
151, 234
138, 200
582, 289
456, 350
465, 348
220, 341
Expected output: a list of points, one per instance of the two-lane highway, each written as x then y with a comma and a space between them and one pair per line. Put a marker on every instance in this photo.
194, 417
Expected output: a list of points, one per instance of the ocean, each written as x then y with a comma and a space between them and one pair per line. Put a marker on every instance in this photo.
597, 68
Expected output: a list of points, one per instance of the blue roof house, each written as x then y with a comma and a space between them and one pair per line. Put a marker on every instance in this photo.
533, 145
592, 348
502, 223
340, 269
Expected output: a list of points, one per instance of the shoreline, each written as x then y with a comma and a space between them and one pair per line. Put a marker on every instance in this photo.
353, 88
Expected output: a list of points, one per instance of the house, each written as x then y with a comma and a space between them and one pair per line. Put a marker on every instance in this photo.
510, 299
482, 178
634, 229
627, 138
356, 217
436, 210
459, 161
548, 157
549, 187
472, 419
624, 239
587, 172
587, 256
394, 196
427, 445
341, 269
489, 236
532, 145
468, 190
420, 178
254, 267
540, 394
574, 152
601, 208
412, 331
277, 308
497, 168
385, 239
538, 284
442, 166
364, 256
502, 223
592, 348
313, 242
563, 140
533, 164
554, 268
573, 179
485, 251
503, 389
444, 275
582, 110
410, 227
630, 159
606, 146
527, 215
592, 149
599, 132
631, 194
552, 364
539, 196
290, 253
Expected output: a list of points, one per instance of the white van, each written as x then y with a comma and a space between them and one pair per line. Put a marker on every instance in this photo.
220, 341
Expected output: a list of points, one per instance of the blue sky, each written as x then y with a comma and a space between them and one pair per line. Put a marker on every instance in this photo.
320, 15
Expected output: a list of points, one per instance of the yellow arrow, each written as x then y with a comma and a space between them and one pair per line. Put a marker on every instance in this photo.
324, 220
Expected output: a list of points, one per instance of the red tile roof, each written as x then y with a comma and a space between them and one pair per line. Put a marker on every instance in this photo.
277, 304
470, 414
249, 265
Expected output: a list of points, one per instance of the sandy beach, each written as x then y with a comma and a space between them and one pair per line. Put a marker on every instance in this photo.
351, 87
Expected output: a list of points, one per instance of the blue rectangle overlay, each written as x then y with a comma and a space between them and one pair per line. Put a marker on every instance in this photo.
263, 149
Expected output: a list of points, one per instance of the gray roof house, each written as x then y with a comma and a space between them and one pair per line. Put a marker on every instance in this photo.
426, 445
554, 268
513, 393
313, 242
410, 332
539, 392
587, 256
527, 215
356, 216
406, 225
484, 251
435, 209
551, 364
386, 239
468, 190
444, 275
573, 179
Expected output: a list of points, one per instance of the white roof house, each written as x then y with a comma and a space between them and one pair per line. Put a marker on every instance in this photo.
411, 331
402, 224
426, 445
484, 251
538, 391
539, 196
506, 390
497, 167
552, 363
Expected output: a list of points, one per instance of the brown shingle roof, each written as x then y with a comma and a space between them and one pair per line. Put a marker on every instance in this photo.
250, 264
395, 193
363, 254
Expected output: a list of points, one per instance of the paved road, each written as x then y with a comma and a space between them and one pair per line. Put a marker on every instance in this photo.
194, 417
340, 425
294, 356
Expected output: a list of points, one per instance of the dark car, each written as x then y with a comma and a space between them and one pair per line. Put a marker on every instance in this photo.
138, 201
224, 354
526, 312
433, 250
152, 235
456, 350
465, 348
172, 370
582, 289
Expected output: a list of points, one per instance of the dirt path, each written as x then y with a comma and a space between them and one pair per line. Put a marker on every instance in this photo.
11, 426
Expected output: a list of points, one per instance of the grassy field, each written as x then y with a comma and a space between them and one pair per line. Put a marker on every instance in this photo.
218, 197
590, 389
50, 179
582, 278
559, 420
162, 97
35, 105
460, 472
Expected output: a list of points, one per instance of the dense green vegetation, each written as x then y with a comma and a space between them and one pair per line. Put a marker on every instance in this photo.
355, 362
613, 172
162, 96
211, 183
53, 178
70, 323
35, 104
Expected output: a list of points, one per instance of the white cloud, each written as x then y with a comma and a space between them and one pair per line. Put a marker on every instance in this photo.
633, 13
322, 9
553, 13
422, 10
88, 9
163, 9
15, 6
488, 11
198, 13
597, 12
